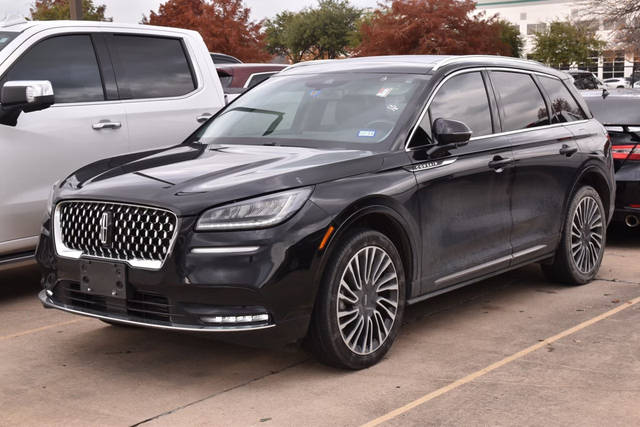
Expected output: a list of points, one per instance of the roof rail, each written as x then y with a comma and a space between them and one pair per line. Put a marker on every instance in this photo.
472, 57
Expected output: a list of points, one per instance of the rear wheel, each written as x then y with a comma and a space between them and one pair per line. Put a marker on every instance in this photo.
581, 249
360, 302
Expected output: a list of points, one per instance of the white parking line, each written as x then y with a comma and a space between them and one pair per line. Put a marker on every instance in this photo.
439, 392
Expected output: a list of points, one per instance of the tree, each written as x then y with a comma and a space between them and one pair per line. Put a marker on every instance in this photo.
624, 15
324, 32
430, 27
289, 35
564, 43
47, 10
510, 35
223, 24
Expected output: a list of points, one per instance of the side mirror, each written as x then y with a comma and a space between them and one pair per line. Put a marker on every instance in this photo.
27, 95
451, 132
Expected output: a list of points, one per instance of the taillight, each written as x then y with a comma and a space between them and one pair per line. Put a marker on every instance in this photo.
626, 152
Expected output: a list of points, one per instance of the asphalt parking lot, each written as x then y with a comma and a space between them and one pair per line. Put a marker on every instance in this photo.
512, 350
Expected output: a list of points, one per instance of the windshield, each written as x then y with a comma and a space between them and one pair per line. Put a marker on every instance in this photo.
6, 37
319, 110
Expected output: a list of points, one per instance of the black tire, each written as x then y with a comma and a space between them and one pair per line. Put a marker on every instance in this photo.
566, 267
327, 339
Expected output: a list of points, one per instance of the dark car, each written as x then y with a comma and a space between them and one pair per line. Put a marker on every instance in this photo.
619, 111
237, 78
585, 80
223, 58
327, 198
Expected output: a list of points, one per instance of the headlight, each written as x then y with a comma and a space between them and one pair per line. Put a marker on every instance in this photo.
260, 212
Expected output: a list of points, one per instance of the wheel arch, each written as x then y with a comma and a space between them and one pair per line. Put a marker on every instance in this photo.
377, 214
595, 178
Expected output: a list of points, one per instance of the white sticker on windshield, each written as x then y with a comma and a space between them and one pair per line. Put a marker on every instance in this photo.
367, 133
384, 92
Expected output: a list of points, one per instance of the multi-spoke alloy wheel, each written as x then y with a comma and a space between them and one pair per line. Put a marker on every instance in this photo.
361, 301
586, 235
367, 300
577, 259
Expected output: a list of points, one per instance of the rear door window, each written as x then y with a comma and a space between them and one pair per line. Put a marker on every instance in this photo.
563, 105
463, 98
151, 67
68, 62
521, 103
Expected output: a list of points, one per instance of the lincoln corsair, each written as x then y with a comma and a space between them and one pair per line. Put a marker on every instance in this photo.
319, 204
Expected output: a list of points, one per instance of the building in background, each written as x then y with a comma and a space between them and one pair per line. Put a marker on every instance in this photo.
534, 15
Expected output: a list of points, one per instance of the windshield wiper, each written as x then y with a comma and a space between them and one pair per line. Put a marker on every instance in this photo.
272, 127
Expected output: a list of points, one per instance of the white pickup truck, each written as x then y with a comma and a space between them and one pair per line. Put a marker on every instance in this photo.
74, 92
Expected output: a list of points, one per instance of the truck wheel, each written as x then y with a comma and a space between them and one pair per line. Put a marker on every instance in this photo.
578, 258
360, 302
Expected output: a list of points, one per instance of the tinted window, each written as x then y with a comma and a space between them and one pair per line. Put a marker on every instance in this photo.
463, 98
68, 62
615, 110
563, 105
151, 67
521, 102
256, 79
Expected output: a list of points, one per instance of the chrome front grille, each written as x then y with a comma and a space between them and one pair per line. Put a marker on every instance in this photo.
139, 235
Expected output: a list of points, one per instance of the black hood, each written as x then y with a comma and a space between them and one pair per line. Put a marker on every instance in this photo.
190, 178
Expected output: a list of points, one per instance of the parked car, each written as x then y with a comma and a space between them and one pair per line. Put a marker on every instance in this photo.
617, 83
327, 198
76, 92
237, 78
636, 85
584, 80
222, 58
619, 112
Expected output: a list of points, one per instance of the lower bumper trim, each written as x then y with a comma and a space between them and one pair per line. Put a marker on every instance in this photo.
49, 303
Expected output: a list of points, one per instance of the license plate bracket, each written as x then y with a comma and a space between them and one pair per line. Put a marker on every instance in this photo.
103, 278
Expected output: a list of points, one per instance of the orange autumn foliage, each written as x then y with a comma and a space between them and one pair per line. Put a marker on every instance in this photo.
439, 27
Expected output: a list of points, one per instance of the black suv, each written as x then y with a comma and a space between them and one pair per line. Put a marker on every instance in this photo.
324, 200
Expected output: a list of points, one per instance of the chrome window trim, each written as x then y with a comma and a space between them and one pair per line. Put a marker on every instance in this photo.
475, 138
64, 252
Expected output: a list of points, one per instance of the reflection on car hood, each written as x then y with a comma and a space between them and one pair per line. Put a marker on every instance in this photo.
188, 178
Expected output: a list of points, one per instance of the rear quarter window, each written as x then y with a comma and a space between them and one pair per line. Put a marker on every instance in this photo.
563, 105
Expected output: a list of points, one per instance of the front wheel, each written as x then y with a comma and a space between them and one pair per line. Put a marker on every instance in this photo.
360, 302
581, 249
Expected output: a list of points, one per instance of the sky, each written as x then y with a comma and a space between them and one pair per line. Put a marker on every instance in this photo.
132, 10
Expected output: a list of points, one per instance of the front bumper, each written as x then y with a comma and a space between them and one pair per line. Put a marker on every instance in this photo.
207, 292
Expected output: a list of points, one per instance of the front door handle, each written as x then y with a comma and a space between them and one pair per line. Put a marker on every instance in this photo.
568, 151
106, 124
499, 163
203, 117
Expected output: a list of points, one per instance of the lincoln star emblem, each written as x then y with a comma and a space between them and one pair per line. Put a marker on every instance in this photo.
106, 229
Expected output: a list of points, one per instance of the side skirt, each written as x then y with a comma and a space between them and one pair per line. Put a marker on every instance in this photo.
476, 279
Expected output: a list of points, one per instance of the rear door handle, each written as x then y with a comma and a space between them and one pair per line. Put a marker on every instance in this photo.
203, 117
499, 163
568, 151
106, 124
